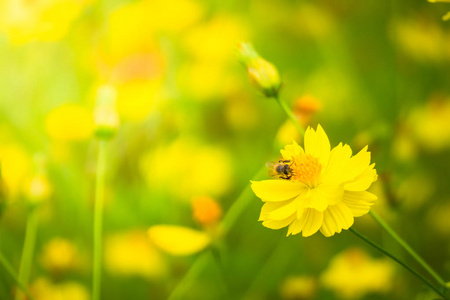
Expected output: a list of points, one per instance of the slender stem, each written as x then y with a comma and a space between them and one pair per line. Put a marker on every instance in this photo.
373, 244
190, 276
9, 269
290, 115
405, 246
28, 250
98, 220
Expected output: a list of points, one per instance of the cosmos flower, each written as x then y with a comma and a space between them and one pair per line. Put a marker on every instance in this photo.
317, 188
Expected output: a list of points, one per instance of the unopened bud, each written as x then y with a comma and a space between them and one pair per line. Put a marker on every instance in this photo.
263, 74
105, 113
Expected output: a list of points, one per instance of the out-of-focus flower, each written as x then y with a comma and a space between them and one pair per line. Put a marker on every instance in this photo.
38, 188
131, 254
431, 124
352, 274
135, 26
24, 21
106, 118
415, 190
16, 167
206, 211
59, 255
241, 113
305, 108
298, 288
178, 240
317, 188
287, 133
263, 74
438, 218
422, 40
211, 46
186, 165
69, 122
44, 289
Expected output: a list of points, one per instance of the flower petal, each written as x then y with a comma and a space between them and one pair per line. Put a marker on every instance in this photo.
363, 181
317, 144
336, 218
277, 224
178, 240
359, 202
284, 211
291, 151
277, 190
308, 224
335, 171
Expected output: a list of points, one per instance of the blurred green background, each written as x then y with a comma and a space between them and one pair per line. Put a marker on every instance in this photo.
193, 128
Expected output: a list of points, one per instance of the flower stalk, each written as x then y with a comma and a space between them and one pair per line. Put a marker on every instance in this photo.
9, 269
393, 257
408, 248
28, 250
98, 220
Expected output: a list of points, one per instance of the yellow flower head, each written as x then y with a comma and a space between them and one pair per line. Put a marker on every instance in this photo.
318, 188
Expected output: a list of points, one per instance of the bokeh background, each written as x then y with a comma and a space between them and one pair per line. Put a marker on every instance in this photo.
194, 131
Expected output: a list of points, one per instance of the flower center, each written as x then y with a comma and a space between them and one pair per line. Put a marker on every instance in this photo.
306, 169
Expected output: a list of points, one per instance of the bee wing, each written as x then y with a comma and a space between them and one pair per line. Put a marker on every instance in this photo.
271, 169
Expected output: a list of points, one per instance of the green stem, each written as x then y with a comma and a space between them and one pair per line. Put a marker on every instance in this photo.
98, 220
28, 249
405, 246
189, 278
9, 269
373, 244
290, 115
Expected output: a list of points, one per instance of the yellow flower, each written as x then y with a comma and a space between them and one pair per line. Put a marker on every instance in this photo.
59, 255
206, 211
69, 122
130, 253
326, 189
352, 274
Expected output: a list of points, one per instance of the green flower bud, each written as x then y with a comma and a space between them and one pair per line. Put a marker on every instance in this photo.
263, 74
105, 113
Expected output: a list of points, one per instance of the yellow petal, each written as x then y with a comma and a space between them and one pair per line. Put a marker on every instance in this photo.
284, 211
359, 202
317, 200
363, 181
178, 240
309, 223
336, 218
317, 144
336, 170
277, 224
277, 190
291, 150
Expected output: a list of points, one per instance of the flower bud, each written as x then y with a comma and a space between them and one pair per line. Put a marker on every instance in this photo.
263, 74
105, 113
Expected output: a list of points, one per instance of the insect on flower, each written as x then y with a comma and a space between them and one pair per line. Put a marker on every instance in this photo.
281, 169
316, 188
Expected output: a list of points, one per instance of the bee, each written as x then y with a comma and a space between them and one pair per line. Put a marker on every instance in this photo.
281, 169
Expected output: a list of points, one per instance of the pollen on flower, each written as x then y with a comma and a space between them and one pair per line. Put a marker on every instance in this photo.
306, 169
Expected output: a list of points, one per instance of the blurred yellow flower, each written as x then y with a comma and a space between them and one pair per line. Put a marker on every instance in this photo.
323, 190
298, 288
352, 274
69, 122
206, 211
134, 27
422, 40
438, 219
178, 240
59, 255
131, 254
44, 289
16, 167
25, 21
38, 189
431, 124
192, 162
